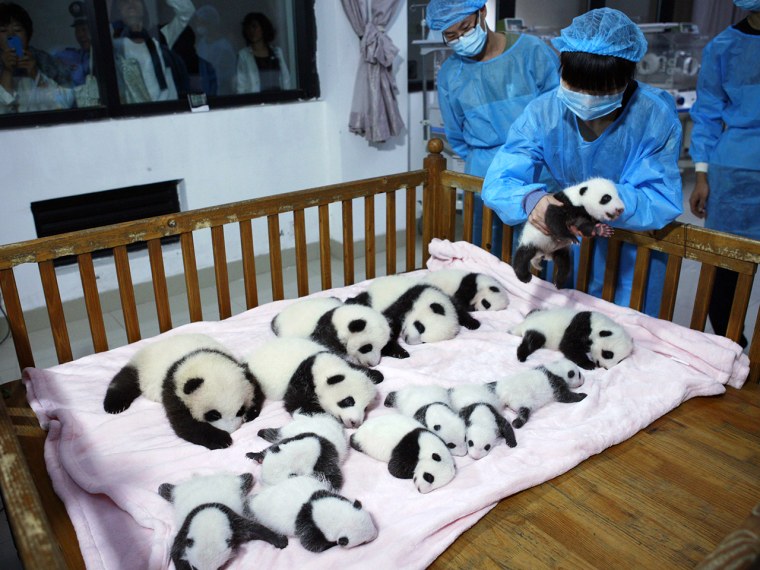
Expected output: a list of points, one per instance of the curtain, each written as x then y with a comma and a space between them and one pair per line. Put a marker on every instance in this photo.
374, 110
714, 16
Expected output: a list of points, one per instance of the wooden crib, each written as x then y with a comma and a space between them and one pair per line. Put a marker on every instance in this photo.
655, 500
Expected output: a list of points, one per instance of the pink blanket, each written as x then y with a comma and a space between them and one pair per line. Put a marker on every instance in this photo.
107, 468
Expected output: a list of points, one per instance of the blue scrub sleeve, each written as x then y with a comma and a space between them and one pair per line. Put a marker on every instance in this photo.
707, 112
453, 119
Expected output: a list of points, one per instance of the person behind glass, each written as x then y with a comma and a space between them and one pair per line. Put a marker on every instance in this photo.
212, 46
261, 66
146, 70
77, 59
30, 79
484, 86
598, 123
726, 136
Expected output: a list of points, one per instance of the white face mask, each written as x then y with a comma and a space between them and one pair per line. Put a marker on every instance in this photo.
471, 43
589, 107
751, 5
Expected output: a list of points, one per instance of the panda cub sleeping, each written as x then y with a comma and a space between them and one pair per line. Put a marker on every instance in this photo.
472, 291
309, 378
584, 206
208, 511
206, 392
478, 405
588, 338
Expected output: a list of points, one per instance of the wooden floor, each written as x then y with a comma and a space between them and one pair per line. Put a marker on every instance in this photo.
661, 499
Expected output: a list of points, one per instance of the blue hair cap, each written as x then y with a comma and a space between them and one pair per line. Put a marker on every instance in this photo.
604, 31
441, 14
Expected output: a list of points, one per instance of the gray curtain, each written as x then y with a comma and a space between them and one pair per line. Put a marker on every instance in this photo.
374, 110
714, 16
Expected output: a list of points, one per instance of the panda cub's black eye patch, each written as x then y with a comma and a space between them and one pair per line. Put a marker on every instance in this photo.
582, 191
451, 445
192, 385
437, 308
338, 378
428, 477
212, 416
366, 348
494, 288
346, 402
436, 457
605, 333
419, 326
189, 542
488, 446
343, 541
240, 412
608, 354
571, 374
357, 325
605, 199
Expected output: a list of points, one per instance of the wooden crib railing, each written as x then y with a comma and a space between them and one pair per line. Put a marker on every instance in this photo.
35, 513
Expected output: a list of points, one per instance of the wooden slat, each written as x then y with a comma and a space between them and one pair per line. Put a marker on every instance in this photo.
487, 233
302, 269
369, 237
611, 269
126, 293
754, 352
640, 278
468, 209
390, 233
16, 319
55, 311
191, 277
670, 287
507, 235
739, 307
325, 260
448, 212
411, 227
348, 242
220, 272
702, 299
92, 302
275, 257
160, 290
584, 265
249, 264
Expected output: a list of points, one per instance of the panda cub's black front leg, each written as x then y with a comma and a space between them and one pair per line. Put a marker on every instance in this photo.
521, 263
562, 265
531, 342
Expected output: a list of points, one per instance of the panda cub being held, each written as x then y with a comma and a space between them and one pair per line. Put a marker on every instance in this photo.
206, 392
584, 207
588, 338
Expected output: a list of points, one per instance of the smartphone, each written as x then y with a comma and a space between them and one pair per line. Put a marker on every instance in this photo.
14, 42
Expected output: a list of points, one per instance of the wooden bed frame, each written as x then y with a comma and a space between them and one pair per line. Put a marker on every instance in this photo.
663, 498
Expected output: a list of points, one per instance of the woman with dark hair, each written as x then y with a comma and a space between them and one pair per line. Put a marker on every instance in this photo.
261, 66
599, 122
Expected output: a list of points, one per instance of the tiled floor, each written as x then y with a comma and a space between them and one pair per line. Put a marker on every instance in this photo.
114, 321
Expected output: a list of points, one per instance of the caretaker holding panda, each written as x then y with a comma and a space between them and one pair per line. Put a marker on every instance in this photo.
599, 123
726, 138
485, 85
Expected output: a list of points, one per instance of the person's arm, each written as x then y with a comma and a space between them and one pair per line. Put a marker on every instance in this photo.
183, 11
453, 118
284, 72
707, 112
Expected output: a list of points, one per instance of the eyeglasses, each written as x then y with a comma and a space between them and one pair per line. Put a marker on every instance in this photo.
451, 37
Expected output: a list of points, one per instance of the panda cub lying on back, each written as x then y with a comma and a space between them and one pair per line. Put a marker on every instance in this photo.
584, 206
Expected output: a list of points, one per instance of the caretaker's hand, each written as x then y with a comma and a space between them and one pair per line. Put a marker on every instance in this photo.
538, 216
698, 198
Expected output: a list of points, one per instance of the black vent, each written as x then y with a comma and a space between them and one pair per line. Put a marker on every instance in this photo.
61, 215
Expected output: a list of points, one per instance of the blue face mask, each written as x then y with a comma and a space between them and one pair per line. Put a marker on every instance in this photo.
751, 5
471, 43
589, 107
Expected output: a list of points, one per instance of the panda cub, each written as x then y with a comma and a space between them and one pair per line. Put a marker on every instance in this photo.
531, 389
472, 291
208, 512
206, 392
478, 405
417, 312
588, 338
584, 206
314, 445
430, 405
410, 450
306, 376
306, 508
355, 332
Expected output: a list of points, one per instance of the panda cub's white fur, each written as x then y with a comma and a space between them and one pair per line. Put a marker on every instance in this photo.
304, 507
312, 445
528, 390
430, 405
308, 377
588, 338
478, 405
410, 450
209, 515
206, 392
359, 333
474, 291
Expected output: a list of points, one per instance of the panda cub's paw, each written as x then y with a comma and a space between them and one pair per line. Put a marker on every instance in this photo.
603, 230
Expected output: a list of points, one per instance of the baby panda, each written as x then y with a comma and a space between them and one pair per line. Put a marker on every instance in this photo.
205, 391
531, 389
410, 450
314, 445
306, 508
355, 332
478, 405
208, 512
417, 312
588, 338
471, 291
430, 405
584, 206
308, 377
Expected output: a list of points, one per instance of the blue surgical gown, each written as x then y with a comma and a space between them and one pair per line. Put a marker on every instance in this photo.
638, 151
726, 131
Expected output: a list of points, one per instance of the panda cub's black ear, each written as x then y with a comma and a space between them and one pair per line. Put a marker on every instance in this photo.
192, 385
582, 191
166, 490
357, 325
